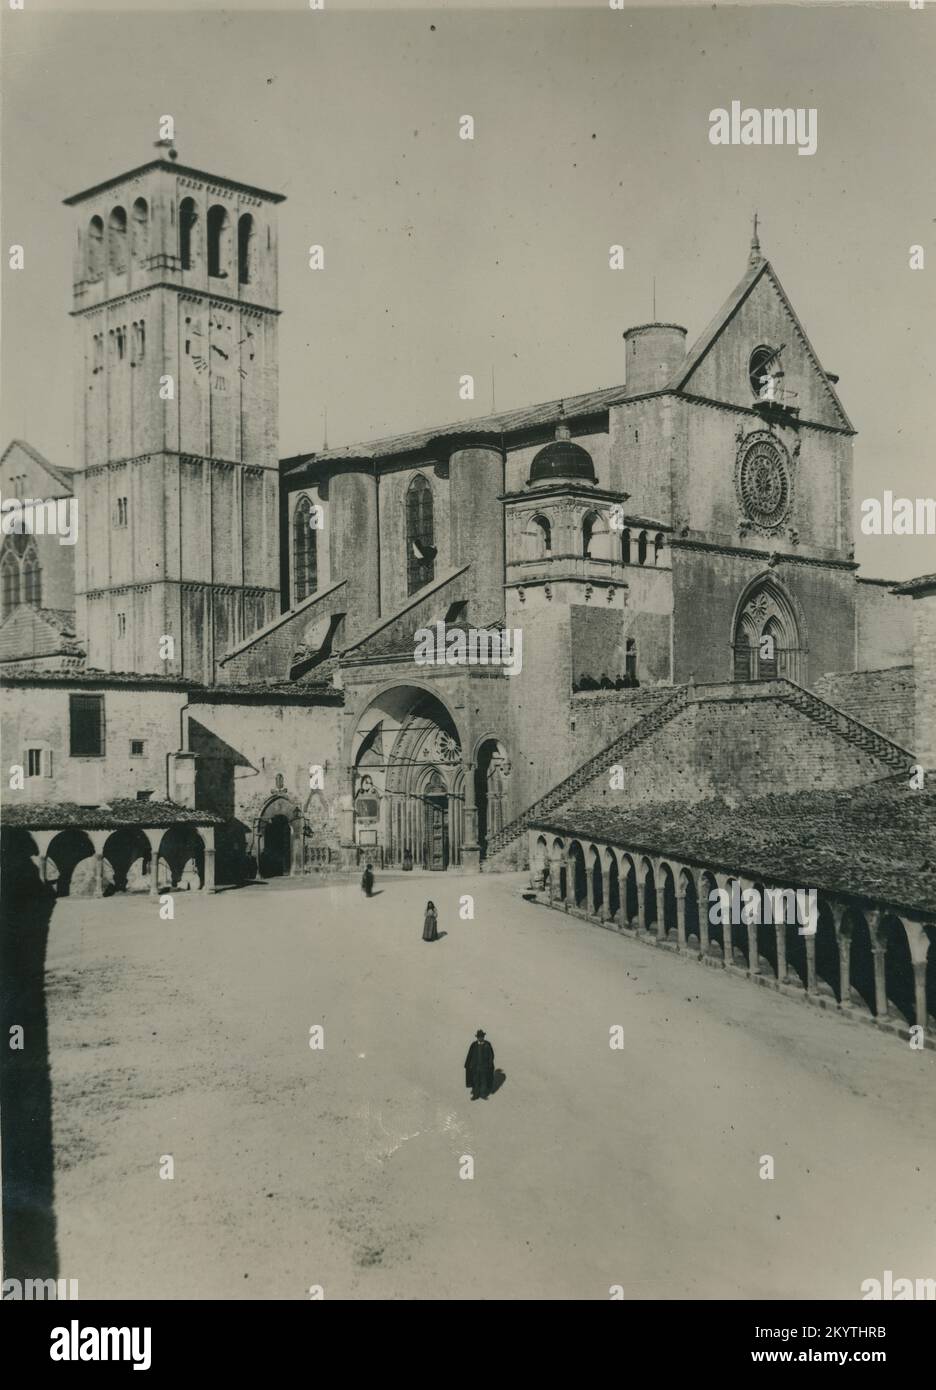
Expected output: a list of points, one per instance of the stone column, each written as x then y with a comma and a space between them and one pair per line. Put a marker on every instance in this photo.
721, 883
641, 912
681, 920
154, 836
471, 850
455, 842
604, 912
702, 909
844, 946
207, 833
811, 964
659, 883
589, 889
98, 839
919, 993
880, 983
782, 951
42, 839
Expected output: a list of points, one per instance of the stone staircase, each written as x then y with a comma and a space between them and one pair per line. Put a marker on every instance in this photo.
496, 857
860, 735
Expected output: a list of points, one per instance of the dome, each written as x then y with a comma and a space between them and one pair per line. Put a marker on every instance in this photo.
562, 461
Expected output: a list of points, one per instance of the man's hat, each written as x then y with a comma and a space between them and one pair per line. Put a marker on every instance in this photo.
480, 1033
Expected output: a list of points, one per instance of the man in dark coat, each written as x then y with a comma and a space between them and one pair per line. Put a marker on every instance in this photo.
479, 1067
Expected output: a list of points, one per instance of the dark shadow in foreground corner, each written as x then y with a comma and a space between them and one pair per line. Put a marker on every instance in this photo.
26, 906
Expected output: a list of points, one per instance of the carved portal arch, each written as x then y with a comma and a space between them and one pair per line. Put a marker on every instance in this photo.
768, 633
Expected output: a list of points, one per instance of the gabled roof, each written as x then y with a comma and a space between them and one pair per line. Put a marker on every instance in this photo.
527, 417
61, 474
28, 632
710, 335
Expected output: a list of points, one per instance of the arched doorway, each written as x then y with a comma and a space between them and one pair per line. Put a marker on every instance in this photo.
274, 837
407, 769
767, 637
436, 837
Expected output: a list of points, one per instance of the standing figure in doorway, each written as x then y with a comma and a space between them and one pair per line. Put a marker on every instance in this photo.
479, 1067
367, 880
430, 932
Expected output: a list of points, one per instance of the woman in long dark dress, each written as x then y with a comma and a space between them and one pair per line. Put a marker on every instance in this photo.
367, 881
429, 923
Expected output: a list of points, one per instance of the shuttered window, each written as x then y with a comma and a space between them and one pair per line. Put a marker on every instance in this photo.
86, 726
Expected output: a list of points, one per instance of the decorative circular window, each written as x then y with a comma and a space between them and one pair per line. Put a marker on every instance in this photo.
763, 480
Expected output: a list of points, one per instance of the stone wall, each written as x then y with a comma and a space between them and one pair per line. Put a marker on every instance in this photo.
735, 748
883, 626
882, 699
36, 715
269, 653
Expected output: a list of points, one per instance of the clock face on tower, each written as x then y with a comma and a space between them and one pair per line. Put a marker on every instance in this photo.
220, 352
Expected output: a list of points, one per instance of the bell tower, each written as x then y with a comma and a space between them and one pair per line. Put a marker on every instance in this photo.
175, 312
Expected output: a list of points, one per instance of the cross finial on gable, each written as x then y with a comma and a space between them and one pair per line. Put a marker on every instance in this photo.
755, 257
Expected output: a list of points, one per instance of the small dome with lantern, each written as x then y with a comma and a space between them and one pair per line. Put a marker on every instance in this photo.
562, 461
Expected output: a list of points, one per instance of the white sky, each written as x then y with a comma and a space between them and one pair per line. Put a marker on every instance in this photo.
446, 256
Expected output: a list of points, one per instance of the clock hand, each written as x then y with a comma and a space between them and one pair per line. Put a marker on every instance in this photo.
220, 351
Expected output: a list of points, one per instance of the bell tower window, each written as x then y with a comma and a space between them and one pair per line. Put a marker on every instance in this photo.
219, 241
188, 221
245, 248
117, 241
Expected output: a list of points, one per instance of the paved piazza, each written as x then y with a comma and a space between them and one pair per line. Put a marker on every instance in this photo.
340, 1167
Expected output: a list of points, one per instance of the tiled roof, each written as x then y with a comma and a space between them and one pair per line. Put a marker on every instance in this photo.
306, 689
49, 815
526, 417
916, 586
877, 841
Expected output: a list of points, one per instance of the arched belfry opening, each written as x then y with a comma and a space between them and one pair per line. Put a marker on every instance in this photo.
768, 636
408, 792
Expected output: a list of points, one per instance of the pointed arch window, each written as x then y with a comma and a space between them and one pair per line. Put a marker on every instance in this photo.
32, 578
420, 547
588, 529
9, 581
657, 547
626, 547
305, 553
642, 548
743, 665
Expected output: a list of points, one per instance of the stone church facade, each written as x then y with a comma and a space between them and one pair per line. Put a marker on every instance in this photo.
233, 636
